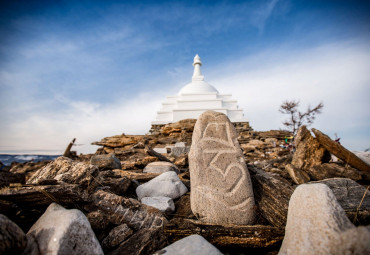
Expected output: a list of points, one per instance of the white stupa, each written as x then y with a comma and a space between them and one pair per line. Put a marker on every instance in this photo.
195, 98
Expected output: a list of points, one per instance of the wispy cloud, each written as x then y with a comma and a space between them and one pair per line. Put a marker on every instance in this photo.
262, 14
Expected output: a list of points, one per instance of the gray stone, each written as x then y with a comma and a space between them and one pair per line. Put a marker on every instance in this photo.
298, 176
12, 238
221, 188
194, 244
61, 231
164, 204
178, 151
180, 144
352, 197
66, 170
160, 167
106, 162
316, 224
165, 185
116, 236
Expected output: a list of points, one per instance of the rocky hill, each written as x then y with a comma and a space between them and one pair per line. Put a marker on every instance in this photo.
139, 194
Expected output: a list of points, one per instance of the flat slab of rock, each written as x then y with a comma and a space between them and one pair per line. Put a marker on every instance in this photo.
165, 185
116, 236
160, 167
66, 170
164, 204
332, 170
194, 244
341, 152
12, 238
106, 162
352, 197
61, 231
119, 210
141, 177
221, 189
316, 223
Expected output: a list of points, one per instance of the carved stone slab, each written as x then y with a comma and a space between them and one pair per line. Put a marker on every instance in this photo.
221, 189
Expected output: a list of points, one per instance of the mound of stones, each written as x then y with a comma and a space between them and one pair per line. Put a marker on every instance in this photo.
203, 186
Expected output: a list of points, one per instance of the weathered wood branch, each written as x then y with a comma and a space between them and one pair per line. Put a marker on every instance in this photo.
225, 235
153, 153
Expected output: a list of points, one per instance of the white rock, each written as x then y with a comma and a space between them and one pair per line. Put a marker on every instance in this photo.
180, 144
165, 185
194, 244
317, 224
61, 231
160, 150
164, 204
160, 167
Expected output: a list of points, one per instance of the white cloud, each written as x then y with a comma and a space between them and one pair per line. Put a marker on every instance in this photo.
335, 74
87, 122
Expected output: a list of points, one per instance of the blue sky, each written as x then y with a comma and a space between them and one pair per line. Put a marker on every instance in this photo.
91, 69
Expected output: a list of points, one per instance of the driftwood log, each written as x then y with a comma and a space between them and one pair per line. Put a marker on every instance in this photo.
254, 236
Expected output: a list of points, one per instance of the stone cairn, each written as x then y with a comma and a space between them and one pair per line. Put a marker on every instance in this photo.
186, 188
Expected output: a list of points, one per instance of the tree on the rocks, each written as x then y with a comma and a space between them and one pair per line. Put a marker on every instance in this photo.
298, 118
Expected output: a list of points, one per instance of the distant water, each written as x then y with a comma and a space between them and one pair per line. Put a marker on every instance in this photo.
7, 159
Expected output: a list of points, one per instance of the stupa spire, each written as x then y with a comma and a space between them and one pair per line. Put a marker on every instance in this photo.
197, 75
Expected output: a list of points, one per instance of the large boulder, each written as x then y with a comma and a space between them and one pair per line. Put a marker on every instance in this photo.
66, 170
160, 167
106, 162
316, 225
221, 189
341, 152
167, 184
309, 152
194, 244
61, 231
12, 238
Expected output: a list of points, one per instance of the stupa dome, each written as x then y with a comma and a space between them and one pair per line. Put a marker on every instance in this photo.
198, 87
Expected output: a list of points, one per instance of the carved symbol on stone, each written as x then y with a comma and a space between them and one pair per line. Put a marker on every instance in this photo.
213, 157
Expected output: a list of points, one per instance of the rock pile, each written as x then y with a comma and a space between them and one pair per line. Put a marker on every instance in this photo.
136, 195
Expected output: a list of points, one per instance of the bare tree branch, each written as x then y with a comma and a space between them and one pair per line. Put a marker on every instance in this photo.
298, 118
